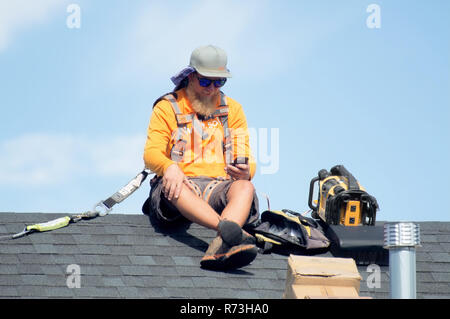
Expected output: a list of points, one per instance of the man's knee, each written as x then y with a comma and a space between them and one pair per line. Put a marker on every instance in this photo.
243, 187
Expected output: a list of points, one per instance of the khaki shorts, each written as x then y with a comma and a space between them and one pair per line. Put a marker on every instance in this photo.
213, 191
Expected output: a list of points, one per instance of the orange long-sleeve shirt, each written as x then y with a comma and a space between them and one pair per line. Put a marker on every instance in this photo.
209, 160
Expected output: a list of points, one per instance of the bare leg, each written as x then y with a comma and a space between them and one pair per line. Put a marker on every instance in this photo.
240, 198
196, 209
222, 253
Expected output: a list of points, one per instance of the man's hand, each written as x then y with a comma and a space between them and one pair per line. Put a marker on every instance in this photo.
238, 171
172, 181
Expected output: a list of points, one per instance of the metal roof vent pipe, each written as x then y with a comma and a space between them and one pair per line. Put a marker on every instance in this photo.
401, 239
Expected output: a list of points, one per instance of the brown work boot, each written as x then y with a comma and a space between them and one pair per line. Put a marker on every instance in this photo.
221, 256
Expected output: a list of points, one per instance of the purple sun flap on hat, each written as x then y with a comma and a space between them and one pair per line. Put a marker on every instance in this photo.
180, 76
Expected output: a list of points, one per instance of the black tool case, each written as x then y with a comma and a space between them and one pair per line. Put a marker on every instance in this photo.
362, 243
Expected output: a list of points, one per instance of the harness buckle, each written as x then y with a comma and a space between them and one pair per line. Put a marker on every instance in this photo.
105, 209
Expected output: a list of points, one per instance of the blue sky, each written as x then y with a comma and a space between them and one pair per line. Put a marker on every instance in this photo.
75, 102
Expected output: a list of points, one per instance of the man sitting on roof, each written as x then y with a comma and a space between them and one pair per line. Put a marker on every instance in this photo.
198, 146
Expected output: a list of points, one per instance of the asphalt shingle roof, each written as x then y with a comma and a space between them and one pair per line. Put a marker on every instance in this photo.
124, 256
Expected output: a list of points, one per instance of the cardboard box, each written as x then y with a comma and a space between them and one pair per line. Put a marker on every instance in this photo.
321, 277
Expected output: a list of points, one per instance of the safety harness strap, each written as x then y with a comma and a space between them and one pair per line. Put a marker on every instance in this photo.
126, 191
223, 114
184, 119
106, 205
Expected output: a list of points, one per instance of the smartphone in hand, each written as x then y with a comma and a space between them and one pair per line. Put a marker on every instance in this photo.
240, 160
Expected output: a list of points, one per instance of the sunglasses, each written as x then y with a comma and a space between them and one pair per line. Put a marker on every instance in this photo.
204, 82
